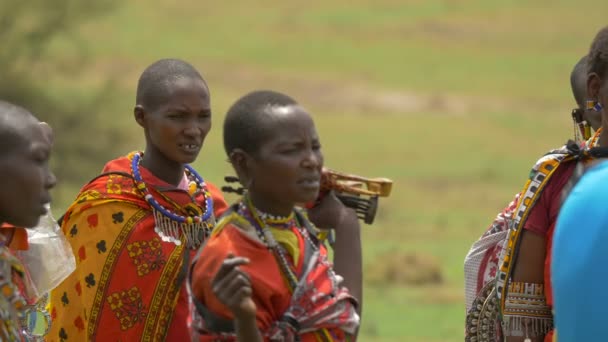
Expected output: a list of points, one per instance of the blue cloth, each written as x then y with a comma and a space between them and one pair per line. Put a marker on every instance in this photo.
579, 267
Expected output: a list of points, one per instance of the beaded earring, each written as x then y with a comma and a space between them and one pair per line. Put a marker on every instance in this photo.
594, 105
581, 128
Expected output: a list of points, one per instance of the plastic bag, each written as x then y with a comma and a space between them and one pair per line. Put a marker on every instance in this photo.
49, 259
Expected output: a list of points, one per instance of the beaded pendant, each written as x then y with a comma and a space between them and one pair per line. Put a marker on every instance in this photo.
29, 325
173, 227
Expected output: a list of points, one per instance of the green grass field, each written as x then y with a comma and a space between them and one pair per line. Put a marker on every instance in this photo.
454, 100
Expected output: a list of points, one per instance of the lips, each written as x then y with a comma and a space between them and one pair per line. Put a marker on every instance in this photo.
190, 148
310, 182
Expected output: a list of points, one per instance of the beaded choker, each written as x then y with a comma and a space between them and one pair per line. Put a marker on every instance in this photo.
274, 219
170, 226
265, 234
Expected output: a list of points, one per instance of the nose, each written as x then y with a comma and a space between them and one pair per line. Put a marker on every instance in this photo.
194, 129
313, 159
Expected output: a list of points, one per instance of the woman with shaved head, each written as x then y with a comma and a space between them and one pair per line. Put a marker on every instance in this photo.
135, 227
25, 181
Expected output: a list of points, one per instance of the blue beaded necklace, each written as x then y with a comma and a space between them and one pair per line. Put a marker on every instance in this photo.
171, 226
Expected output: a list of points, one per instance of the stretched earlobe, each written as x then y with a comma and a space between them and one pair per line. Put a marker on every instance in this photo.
240, 161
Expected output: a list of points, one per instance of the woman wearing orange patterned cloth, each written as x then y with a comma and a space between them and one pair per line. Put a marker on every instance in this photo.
135, 228
264, 274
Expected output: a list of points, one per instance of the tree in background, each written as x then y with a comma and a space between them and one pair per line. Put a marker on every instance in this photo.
27, 29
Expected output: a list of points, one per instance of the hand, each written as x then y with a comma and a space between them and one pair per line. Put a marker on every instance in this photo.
232, 287
330, 212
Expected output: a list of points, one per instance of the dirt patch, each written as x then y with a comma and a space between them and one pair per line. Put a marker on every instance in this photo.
397, 268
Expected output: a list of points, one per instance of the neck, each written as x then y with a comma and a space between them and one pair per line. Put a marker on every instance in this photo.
161, 167
270, 207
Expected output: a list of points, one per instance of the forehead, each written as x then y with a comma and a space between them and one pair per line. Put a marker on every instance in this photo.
35, 136
289, 123
28, 137
187, 90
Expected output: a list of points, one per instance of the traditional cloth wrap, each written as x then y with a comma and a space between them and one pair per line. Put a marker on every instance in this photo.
489, 263
319, 308
128, 284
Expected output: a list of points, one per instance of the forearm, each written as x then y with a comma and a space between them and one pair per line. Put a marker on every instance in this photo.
348, 256
247, 330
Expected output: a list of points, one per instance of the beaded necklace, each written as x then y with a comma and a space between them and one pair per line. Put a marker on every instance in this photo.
265, 234
171, 226
12, 302
274, 219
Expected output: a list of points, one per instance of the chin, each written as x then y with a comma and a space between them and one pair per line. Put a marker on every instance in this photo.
307, 198
189, 160
25, 222
186, 159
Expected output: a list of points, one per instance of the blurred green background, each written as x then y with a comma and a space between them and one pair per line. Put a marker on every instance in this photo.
454, 100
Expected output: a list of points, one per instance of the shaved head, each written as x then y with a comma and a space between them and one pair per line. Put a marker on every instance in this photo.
155, 83
13, 121
25, 176
246, 121
578, 82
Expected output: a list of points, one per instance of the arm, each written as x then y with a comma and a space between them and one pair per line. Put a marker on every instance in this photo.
531, 254
530, 259
331, 213
232, 287
529, 267
246, 329
348, 255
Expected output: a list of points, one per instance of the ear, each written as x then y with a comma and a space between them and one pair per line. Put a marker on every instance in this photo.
594, 84
139, 114
242, 163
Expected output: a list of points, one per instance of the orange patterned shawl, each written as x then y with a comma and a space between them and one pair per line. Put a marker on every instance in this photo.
128, 284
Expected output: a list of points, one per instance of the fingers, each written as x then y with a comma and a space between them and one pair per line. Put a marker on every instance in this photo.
229, 264
231, 284
238, 279
231, 281
233, 289
241, 292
